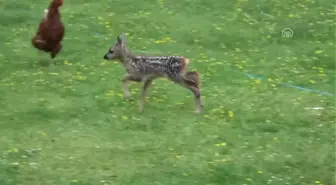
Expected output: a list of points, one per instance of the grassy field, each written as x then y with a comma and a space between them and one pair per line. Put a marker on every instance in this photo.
68, 124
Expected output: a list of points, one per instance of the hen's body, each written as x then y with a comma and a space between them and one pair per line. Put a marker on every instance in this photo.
50, 31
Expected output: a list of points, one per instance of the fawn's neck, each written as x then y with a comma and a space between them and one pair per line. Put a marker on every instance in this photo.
125, 56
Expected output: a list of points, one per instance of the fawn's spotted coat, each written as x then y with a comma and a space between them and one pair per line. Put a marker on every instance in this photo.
147, 68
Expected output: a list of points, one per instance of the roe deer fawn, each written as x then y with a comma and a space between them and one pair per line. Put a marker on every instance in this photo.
147, 68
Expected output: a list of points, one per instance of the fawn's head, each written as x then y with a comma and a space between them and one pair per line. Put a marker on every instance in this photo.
117, 51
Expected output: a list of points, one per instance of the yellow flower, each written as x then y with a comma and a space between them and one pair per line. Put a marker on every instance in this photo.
67, 63
257, 81
231, 115
221, 144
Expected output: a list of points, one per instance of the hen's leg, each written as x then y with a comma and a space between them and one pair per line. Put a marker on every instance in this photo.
56, 50
40, 44
41, 56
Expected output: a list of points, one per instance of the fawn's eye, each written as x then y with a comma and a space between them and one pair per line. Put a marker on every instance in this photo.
111, 51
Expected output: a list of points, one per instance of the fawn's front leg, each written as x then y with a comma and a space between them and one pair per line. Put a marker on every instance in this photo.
197, 94
191, 81
147, 83
125, 81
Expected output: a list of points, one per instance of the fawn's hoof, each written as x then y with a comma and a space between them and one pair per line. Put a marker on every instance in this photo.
128, 98
197, 111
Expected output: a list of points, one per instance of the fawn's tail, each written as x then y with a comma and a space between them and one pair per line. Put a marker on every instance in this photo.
192, 78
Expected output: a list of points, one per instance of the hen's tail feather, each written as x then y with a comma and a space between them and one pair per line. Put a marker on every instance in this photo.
39, 43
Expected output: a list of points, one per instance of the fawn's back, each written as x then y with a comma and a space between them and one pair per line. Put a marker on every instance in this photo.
141, 67
171, 67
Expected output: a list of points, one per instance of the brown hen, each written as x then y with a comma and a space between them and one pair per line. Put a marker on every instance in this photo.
50, 31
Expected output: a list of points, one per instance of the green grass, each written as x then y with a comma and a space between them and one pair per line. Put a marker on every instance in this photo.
68, 124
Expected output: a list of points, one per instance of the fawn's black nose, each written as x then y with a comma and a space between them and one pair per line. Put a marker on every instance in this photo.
105, 57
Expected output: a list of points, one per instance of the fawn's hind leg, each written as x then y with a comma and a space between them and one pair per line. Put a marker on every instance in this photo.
191, 81
147, 83
125, 81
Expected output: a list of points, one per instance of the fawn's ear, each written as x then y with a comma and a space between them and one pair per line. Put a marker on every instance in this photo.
119, 41
123, 37
123, 40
